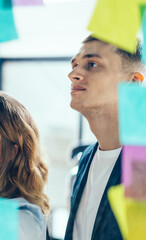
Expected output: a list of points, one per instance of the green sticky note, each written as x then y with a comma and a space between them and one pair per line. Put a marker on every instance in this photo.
7, 25
132, 114
116, 22
8, 219
142, 10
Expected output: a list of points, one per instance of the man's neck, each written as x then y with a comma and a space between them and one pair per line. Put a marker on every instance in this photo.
106, 131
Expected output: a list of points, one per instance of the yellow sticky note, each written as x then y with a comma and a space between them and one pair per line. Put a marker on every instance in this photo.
136, 220
116, 22
130, 214
140, 1
117, 202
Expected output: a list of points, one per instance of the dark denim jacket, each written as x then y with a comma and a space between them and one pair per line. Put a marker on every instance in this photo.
105, 225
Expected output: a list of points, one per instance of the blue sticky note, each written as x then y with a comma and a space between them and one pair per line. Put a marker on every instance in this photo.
8, 219
132, 114
143, 14
7, 26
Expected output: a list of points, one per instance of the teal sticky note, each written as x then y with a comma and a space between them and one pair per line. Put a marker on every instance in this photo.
132, 114
7, 26
8, 219
5, 4
143, 14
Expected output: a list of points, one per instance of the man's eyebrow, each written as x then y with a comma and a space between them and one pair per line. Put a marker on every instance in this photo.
92, 55
87, 56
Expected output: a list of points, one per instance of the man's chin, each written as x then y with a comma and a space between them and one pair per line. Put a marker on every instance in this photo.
86, 110
75, 106
78, 107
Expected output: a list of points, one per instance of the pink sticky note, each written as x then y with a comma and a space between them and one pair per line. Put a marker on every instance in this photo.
27, 2
134, 171
131, 154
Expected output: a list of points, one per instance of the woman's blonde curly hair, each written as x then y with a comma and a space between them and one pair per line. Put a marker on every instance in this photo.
25, 174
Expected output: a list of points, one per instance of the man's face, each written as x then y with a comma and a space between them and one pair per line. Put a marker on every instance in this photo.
96, 71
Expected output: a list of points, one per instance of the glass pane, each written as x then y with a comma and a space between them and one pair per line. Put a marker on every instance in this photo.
44, 88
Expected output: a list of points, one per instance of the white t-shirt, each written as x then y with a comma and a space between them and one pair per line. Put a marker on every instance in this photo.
99, 173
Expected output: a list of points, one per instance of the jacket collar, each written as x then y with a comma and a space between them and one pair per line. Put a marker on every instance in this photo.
82, 179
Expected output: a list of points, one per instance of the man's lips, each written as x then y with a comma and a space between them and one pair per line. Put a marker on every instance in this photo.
77, 89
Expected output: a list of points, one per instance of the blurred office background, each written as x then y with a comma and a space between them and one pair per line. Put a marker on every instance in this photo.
34, 70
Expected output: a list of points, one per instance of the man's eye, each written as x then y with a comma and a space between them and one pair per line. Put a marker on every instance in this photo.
92, 65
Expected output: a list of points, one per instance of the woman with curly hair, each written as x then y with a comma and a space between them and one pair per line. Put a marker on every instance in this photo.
23, 173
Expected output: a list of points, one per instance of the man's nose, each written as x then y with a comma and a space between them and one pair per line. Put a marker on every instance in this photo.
75, 76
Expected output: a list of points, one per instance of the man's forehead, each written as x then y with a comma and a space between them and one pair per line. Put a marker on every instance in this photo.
96, 48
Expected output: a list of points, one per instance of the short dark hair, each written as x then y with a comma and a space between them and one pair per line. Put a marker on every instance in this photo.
126, 56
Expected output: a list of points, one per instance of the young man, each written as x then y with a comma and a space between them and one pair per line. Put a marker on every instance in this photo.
96, 71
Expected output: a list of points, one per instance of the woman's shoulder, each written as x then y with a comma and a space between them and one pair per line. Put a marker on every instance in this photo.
31, 221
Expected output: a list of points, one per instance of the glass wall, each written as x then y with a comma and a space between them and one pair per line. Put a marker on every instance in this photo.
44, 88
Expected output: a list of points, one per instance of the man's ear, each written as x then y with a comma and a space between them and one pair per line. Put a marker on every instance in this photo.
137, 77
14, 151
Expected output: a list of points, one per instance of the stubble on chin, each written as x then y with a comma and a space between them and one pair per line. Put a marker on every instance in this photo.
79, 107
74, 105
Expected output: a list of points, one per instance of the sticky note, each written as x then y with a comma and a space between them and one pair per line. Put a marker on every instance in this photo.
27, 2
143, 14
116, 22
140, 1
136, 219
134, 171
132, 114
116, 199
131, 154
130, 214
5, 4
7, 26
8, 219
